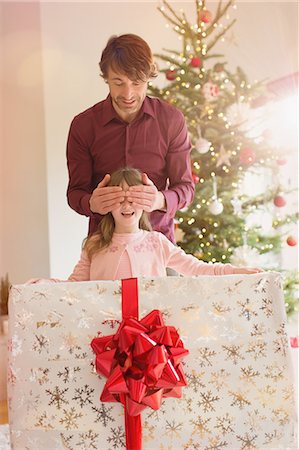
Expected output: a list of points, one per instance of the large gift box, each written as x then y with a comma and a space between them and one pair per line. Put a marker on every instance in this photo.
240, 392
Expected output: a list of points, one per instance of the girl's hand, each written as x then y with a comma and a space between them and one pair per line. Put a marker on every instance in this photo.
247, 270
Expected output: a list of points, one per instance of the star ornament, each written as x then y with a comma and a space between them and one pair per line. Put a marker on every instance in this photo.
223, 157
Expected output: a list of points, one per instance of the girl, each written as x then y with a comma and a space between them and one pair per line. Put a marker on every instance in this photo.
124, 245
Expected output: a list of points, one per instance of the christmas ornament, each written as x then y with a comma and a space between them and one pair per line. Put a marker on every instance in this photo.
170, 75
238, 115
215, 207
279, 201
195, 62
237, 205
223, 157
247, 156
245, 256
195, 178
291, 241
210, 91
202, 145
204, 16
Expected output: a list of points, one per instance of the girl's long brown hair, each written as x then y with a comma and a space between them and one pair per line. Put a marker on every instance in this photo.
103, 236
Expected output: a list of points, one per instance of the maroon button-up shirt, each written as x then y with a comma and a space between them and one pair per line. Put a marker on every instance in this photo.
155, 142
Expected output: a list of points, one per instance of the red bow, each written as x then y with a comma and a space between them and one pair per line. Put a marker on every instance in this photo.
142, 363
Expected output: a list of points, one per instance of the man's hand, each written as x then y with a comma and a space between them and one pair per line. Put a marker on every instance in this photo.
105, 198
146, 196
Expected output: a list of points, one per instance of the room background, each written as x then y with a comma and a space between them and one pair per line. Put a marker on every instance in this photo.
49, 73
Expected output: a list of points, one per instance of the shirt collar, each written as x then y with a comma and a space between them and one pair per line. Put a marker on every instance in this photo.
109, 112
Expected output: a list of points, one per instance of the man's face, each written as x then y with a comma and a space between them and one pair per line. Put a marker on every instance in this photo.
127, 95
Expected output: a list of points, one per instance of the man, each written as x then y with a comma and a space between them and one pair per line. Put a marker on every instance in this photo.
129, 129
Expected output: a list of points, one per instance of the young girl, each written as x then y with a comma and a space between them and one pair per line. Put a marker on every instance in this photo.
124, 245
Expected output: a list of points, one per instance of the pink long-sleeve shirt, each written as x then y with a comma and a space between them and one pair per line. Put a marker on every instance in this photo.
141, 254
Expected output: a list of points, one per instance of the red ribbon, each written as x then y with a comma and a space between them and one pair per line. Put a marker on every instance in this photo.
142, 363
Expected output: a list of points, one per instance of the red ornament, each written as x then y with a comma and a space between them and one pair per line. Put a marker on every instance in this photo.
195, 178
291, 241
279, 201
195, 62
247, 156
170, 75
205, 16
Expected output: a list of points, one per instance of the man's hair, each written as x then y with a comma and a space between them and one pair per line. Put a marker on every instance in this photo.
103, 236
128, 54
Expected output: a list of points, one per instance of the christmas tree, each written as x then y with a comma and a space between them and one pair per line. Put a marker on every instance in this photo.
232, 218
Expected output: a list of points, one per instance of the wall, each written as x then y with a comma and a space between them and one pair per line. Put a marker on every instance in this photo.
263, 42
24, 206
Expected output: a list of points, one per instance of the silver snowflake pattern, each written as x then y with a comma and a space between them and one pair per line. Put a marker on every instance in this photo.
57, 397
156, 414
225, 424
66, 441
215, 443
255, 421
233, 353
69, 374
112, 323
275, 372
117, 437
16, 345
249, 374
273, 438
53, 320
267, 307
247, 441
103, 414
69, 419
194, 380
260, 286
220, 308
88, 440
40, 375
247, 310
191, 445
44, 422
258, 330
265, 395
148, 432
207, 401
188, 407
218, 379
239, 399
205, 357
257, 349
41, 343
200, 426
23, 318
173, 428
281, 343
281, 416
83, 395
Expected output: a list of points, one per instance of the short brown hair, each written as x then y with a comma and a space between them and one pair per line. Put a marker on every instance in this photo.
128, 54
